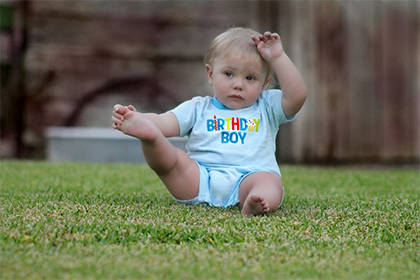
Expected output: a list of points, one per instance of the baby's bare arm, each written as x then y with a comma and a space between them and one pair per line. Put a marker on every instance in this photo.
291, 82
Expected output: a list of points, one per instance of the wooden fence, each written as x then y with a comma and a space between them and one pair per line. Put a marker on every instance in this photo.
360, 60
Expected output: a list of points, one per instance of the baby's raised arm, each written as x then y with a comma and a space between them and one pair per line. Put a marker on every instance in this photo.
291, 82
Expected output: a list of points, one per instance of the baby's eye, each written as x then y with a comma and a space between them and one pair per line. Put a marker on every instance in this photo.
229, 74
250, 78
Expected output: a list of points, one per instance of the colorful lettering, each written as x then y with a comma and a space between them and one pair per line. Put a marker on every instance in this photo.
215, 122
228, 123
210, 125
233, 130
221, 124
235, 123
257, 124
225, 137
242, 137
243, 124
233, 137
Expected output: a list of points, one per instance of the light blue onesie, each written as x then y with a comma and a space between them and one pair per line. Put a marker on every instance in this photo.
228, 145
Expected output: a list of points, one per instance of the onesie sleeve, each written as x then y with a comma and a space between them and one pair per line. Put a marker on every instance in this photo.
272, 99
186, 115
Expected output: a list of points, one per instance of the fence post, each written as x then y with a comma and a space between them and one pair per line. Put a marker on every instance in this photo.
13, 29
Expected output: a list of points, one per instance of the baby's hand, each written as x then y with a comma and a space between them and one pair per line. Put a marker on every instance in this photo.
269, 45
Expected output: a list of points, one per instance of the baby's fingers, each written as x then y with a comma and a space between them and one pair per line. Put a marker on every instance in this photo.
268, 34
255, 39
271, 36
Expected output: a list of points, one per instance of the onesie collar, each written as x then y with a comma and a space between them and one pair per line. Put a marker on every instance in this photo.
218, 104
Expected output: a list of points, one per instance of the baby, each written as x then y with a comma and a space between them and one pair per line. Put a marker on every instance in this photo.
232, 135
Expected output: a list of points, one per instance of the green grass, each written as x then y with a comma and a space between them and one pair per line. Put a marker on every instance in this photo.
81, 221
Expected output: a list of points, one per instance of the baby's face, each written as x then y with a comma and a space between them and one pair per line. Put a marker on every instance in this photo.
237, 82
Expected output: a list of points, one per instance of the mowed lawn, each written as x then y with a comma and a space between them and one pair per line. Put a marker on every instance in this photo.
86, 221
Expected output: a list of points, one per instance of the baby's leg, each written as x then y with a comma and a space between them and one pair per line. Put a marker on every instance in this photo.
130, 122
175, 168
260, 193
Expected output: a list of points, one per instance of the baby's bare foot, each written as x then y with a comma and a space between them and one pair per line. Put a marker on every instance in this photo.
255, 205
132, 123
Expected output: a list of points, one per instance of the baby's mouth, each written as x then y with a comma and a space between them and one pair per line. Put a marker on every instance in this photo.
236, 96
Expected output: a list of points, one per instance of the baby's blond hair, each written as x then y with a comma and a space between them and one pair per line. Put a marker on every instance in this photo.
235, 42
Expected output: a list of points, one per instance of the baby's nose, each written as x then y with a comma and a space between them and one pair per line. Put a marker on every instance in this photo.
238, 84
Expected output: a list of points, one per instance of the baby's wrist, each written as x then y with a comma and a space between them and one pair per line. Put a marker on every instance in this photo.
277, 59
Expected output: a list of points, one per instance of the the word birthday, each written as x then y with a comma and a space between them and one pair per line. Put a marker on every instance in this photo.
233, 130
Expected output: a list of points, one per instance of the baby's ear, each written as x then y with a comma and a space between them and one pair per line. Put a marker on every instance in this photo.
267, 82
209, 74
